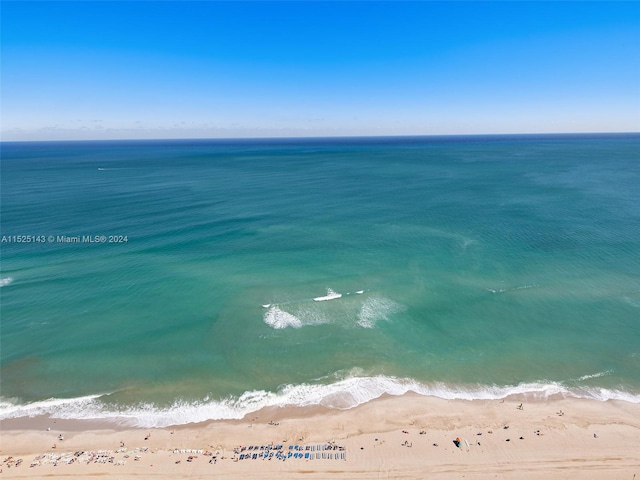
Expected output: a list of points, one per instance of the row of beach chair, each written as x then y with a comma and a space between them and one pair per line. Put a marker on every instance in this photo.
296, 455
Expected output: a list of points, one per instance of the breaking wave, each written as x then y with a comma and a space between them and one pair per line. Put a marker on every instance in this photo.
343, 394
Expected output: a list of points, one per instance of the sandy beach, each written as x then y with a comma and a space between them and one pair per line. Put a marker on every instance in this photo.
392, 437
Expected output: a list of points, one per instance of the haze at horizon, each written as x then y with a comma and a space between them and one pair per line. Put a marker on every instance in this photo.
110, 70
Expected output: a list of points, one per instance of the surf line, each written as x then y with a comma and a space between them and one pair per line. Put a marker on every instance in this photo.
331, 295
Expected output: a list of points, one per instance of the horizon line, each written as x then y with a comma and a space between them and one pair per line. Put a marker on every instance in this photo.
329, 137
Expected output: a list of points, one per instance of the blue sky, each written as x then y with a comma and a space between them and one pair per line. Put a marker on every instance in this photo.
147, 69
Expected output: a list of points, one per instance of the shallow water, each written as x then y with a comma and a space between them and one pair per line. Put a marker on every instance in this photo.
467, 267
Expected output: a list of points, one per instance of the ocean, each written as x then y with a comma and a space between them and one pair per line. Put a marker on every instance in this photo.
155, 283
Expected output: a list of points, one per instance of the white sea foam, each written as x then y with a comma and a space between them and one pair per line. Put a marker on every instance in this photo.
298, 316
513, 289
311, 314
52, 406
493, 290
364, 312
278, 319
343, 394
466, 242
596, 375
376, 308
6, 281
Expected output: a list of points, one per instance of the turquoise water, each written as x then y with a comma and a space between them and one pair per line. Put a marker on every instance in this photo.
470, 267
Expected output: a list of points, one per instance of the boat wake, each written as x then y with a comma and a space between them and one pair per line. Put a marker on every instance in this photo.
364, 312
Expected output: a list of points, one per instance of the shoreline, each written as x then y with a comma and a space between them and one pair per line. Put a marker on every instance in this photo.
88, 412
292, 412
401, 436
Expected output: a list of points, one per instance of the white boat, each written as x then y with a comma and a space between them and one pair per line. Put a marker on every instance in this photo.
331, 295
